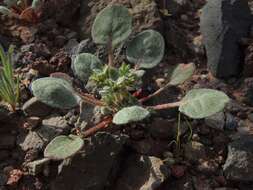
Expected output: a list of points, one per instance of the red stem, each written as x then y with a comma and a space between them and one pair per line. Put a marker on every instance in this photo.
90, 99
154, 94
103, 124
110, 53
165, 106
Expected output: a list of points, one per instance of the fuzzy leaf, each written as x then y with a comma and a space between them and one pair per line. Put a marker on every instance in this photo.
130, 114
180, 73
201, 103
112, 23
5, 11
55, 92
63, 147
84, 65
146, 49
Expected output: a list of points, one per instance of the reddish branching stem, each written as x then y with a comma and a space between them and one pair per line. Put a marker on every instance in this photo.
110, 57
102, 125
90, 99
110, 52
166, 106
154, 94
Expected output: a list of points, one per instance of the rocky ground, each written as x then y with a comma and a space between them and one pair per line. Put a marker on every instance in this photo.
219, 154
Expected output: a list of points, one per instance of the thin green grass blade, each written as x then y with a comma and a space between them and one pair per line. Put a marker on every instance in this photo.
9, 87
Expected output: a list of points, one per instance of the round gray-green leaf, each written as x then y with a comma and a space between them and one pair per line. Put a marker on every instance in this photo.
84, 65
180, 73
130, 114
55, 92
5, 11
63, 147
201, 103
146, 49
113, 23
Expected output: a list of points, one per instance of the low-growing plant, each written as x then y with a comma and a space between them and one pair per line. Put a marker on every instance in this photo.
27, 10
116, 84
9, 86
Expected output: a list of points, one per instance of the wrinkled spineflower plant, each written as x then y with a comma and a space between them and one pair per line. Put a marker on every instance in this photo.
27, 10
112, 27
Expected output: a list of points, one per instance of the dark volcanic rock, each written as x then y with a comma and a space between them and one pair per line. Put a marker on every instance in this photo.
176, 6
34, 107
95, 169
36, 139
142, 173
31, 141
4, 42
223, 24
63, 11
3, 113
176, 39
7, 141
161, 128
194, 151
3, 180
216, 121
239, 163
